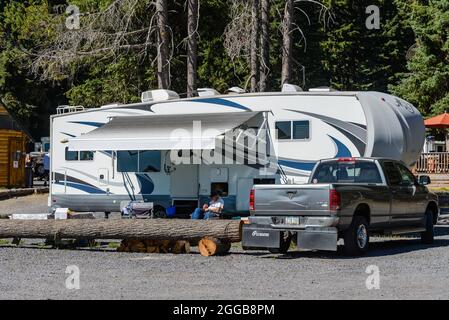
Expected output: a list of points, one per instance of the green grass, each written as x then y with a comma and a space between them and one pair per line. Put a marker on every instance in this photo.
439, 189
113, 245
3, 242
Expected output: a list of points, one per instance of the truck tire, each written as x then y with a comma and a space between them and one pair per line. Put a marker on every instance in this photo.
428, 235
356, 237
285, 241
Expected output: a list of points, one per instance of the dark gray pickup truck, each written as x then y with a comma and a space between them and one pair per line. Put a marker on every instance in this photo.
346, 198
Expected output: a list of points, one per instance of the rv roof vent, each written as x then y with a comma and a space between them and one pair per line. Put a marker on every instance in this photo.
207, 92
111, 105
322, 89
67, 109
236, 90
158, 95
286, 87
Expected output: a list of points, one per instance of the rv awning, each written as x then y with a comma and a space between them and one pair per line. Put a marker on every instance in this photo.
161, 132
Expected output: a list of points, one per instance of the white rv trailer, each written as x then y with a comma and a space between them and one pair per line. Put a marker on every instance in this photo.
104, 156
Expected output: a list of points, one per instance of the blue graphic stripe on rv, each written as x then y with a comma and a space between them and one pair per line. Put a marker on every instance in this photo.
89, 123
305, 166
223, 102
342, 151
68, 134
355, 132
83, 187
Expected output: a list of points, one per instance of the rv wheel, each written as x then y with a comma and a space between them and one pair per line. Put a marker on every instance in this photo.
159, 213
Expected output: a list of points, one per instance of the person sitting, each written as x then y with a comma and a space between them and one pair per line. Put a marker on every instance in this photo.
211, 210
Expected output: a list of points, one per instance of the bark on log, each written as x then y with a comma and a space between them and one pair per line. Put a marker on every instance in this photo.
156, 229
211, 246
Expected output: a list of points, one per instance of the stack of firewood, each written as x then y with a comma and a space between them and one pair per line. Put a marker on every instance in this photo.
154, 246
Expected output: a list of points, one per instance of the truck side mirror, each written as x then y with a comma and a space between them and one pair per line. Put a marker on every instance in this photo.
424, 180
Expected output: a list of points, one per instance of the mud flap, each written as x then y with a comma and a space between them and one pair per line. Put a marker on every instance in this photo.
318, 239
260, 238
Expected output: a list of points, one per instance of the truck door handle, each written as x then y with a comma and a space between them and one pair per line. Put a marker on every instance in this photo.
292, 192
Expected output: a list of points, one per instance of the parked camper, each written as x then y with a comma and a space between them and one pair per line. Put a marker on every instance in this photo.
104, 156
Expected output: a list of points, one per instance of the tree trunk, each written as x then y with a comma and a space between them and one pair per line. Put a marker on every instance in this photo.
287, 46
192, 23
163, 72
211, 246
264, 45
156, 229
254, 45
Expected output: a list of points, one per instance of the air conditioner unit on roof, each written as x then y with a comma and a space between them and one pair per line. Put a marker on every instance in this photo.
158, 95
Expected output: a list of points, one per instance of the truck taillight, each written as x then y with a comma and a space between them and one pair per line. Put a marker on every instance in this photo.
251, 199
334, 200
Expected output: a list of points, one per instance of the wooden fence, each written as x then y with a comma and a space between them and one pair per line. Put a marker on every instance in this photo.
434, 162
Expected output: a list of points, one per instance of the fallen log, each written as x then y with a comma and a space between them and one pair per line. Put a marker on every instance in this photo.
211, 246
156, 229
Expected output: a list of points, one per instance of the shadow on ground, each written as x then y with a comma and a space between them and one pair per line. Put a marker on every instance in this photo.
378, 248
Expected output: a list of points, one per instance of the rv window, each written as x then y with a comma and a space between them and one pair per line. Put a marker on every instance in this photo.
149, 161
139, 161
86, 155
283, 130
220, 187
70, 155
127, 161
301, 130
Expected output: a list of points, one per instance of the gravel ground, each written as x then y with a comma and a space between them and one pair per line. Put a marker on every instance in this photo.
408, 270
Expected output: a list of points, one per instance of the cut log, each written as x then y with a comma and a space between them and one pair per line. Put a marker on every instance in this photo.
211, 246
181, 247
155, 229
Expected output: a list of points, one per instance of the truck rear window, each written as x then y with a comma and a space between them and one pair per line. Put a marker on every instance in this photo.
346, 172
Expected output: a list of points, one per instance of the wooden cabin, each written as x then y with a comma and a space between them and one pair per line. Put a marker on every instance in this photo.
13, 142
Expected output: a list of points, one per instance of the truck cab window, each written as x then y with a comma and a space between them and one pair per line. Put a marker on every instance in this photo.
407, 177
347, 172
393, 175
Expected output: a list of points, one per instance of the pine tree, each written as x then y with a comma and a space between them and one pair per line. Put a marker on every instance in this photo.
426, 82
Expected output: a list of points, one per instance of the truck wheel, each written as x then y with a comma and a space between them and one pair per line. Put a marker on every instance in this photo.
427, 236
286, 239
356, 237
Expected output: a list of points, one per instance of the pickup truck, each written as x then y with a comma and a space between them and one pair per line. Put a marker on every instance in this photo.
345, 198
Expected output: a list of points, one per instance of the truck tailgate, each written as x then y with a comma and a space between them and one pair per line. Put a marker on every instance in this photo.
292, 200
